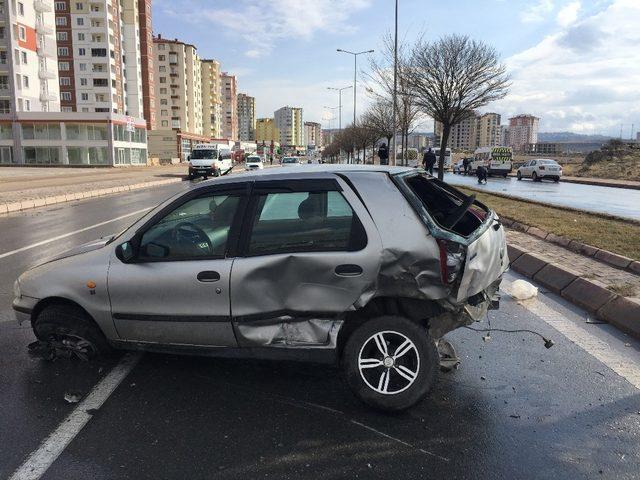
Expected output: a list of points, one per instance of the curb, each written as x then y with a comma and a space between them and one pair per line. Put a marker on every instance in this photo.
595, 182
69, 197
593, 296
612, 259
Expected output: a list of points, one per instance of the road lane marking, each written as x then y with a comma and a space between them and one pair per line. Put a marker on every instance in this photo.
41, 459
75, 232
601, 350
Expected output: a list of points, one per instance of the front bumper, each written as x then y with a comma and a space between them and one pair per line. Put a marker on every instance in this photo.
23, 308
202, 171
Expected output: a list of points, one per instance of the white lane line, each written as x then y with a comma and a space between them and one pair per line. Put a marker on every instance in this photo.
59, 237
622, 365
41, 459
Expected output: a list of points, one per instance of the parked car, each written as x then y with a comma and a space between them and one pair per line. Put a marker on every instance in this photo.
364, 266
254, 162
539, 169
288, 161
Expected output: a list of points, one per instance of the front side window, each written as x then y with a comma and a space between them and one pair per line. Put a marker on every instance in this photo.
196, 229
305, 222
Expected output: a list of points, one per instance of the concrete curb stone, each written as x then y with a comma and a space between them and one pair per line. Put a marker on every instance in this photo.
613, 259
588, 294
555, 278
529, 264
634, 267
514, 252
537, 232
622, 312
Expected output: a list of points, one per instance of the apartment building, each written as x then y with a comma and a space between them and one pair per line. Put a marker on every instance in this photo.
313, 134
211, 99
146, 54
462, 136
266, 131
489, 130
288, 121
246, 118
229, 92
523, 130
179, 86
28, 71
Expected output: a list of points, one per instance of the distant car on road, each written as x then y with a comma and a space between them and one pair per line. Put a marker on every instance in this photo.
288, 161
254, 162
363, 267
539, 169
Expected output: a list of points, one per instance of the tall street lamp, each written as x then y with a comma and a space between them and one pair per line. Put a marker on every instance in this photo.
395, 85
339, 90
332, 115
355, 80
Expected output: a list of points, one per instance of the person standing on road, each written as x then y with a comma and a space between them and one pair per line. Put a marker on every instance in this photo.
429, 160
482, 174
383, 154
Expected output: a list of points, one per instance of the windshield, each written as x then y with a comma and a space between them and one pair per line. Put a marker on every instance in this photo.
547, 162
289, 160
253, 159
204, 154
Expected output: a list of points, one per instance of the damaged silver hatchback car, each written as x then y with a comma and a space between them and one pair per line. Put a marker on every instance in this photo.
365, 266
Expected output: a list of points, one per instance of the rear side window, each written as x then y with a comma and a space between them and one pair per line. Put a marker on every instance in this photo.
305, 222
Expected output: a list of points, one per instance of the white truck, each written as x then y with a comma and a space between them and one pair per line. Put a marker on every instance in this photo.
497, 160
209, 160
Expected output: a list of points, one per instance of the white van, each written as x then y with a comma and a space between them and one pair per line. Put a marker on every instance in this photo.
447, 158
209, 160
497, 160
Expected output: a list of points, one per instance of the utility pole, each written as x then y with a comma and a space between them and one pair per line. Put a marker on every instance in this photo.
395, 87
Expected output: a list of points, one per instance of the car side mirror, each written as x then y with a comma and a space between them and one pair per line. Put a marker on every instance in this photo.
125, 252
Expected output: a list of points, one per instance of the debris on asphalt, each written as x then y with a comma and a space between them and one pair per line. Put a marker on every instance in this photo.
72, 397
514, 416
523, 290
594, 322
482, 378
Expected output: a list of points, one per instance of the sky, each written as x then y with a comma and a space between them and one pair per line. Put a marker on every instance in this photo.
573, 63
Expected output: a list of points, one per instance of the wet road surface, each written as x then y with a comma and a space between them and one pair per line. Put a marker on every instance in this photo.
621, 202
512, 410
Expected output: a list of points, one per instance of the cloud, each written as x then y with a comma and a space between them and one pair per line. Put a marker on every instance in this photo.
261, 23
568, 14
537, 12
583, 77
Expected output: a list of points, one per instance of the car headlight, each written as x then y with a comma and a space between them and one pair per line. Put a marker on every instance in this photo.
16, 289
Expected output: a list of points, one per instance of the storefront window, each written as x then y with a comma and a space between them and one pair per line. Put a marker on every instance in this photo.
98, 156
6, 155
78, 155
6, 132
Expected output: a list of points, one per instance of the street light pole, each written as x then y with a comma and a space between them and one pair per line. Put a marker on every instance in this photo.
395, 86
355, 80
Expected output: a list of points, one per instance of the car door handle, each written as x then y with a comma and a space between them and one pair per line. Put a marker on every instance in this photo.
348, 270
208, 276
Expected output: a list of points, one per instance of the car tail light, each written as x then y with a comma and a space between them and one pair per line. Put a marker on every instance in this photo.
452, 256
542, 168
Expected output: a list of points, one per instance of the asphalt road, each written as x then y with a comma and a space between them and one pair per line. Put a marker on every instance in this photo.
621, 202
512, 410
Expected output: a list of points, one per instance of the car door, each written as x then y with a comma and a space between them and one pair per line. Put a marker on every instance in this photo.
531, 168
310, 251
176, 288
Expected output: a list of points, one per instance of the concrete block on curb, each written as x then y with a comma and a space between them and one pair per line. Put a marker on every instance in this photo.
613, 259
3, 208
588, 294
558, 240
634, 267
14, 206
574, 246
26, 204
519, 226
588, 250
39, 202
555, 278
514, 252
537, 232
529, 264
624, 313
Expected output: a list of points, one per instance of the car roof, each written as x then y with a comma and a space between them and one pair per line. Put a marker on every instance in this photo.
309, 171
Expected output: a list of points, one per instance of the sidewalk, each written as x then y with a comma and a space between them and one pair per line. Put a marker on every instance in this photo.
605, 292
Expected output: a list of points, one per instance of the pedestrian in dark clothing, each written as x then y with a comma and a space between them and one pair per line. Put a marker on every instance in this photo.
383, 154
465, 165
429, 160
482, 174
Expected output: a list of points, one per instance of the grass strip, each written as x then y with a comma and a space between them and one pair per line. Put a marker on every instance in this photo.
616, 235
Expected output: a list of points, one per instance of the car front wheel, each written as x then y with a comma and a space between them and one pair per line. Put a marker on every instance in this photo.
390, 363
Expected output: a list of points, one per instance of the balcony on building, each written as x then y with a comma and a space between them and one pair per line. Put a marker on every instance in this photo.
42, 7
46, 52
45, 74
44, 29
47, 97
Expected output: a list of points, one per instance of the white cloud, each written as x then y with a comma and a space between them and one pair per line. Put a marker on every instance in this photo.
260, 23
568, 14
537, 12
584, 77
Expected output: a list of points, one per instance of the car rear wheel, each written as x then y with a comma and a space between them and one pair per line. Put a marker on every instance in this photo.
390, 363
534, 176
68, 328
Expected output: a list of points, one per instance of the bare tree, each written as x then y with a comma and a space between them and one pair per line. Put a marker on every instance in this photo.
454, 76
379, 119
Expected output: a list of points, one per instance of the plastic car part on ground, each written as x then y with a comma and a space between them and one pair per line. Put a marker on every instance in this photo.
523, 290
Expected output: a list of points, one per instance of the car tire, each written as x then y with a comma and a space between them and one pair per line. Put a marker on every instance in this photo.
73, 324
557, 179
519, 176
380, 385
534, 177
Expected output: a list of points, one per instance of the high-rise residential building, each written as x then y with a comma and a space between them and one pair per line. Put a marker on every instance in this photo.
90, 36
313, 134
289, 123
229, 91
132, 68
523, 131
28, 70
146, 60
178, 86
266, 131
211, 99
489, 130
246, 117
462, 136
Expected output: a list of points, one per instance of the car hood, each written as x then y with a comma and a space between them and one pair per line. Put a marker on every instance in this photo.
80, 249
